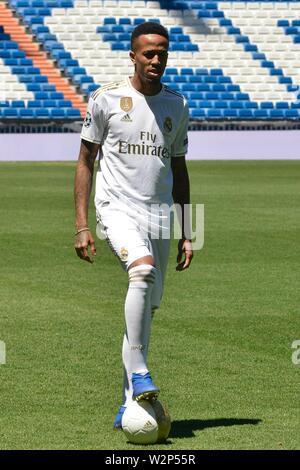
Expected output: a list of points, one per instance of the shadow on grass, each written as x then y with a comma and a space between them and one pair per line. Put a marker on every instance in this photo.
186, 427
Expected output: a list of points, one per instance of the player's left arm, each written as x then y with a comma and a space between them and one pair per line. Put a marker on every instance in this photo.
181, 196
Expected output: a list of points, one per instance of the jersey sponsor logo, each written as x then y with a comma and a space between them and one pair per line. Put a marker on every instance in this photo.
126, 118
143, 149
126, 103
168, 125
147, 146
88, 119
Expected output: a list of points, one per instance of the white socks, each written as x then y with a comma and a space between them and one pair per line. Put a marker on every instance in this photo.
138, 324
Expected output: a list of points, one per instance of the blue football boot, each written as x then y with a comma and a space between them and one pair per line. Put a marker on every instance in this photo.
118, 420
143, 387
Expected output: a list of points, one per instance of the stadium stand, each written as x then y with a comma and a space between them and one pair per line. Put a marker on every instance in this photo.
233, 60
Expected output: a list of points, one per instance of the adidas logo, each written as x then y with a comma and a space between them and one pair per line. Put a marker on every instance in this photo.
126, 118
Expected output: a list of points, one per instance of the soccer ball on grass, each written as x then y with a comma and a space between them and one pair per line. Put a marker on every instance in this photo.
146, 422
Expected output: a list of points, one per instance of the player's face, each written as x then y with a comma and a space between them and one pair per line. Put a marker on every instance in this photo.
150, 56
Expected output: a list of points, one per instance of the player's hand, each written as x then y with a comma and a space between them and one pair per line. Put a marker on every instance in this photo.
185, 251
83, 241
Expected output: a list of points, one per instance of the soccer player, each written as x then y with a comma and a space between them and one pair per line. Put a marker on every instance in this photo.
139, 126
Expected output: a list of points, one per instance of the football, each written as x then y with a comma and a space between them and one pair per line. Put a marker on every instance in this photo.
146, 422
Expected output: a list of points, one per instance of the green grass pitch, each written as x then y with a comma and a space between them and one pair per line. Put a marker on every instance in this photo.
221, 342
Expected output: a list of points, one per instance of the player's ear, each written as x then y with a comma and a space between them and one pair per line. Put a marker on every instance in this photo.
132, 56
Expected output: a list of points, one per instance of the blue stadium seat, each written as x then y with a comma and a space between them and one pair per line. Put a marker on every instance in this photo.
119, 46
138, 21
193, 103
292, 113
282, 105
205, 104
187, 71
26, 113
198, 113
260, 113
40, 78
42, 95
218, 87
57, 113
211, 95
251, 105
267, 105
56, 95
34, 104
73, 113
227, 96
203, 87
188, 87
197, 96
242, 96
214, 113
64, 103
201, 71
246, 113
125, 21
220, 104
236, 104
42, 113
10, 113
230, 113
49, 103
191, 47
18, 104
277, 113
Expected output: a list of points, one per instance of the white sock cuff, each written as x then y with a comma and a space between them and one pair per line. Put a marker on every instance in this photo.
142, 273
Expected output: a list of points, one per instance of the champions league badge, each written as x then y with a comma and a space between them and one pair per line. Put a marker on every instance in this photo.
168, 124
126, 103
88, 120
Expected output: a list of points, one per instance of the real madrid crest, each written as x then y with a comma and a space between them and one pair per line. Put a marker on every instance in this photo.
126, 103
168, 124
124, 254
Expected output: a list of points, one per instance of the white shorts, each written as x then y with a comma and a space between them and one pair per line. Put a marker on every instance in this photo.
129, 241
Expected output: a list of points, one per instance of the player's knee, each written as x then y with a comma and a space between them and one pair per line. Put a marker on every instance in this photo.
142, 275
142, 261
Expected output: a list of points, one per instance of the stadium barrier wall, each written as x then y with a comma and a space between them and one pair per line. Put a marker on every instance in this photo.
203, 145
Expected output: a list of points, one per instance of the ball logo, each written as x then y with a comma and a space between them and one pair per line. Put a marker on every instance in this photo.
126, 103
168, 124
88, 119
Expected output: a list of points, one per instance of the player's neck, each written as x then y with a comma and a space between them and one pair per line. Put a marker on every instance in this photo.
146, 88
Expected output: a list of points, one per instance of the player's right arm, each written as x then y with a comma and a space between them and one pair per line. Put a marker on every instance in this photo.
82, 189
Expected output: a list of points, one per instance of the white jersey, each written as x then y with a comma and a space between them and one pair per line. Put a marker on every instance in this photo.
138, 135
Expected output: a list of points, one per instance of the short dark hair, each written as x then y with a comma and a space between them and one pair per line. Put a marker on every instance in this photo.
149, 27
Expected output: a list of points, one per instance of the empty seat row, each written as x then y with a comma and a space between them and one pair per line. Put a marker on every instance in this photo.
12, 113
246, 114
46, 103
235, 104
42, 3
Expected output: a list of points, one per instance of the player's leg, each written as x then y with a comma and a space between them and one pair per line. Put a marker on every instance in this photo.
129, 244
137, 382
141, 273
159, 249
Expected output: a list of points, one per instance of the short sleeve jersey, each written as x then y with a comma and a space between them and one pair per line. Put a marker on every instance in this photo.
138, 135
